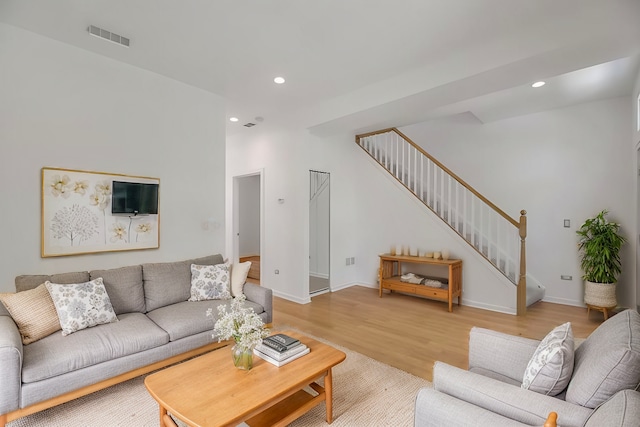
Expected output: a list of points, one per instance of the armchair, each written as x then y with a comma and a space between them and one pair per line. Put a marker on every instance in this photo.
605, 373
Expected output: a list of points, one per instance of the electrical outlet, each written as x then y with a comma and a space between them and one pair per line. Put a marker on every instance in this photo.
566, 277
353, 260
567, 223
277, 272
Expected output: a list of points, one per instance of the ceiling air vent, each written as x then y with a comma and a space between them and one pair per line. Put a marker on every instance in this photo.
249, 125
108, 35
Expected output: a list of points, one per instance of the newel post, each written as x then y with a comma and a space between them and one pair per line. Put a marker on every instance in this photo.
521, 307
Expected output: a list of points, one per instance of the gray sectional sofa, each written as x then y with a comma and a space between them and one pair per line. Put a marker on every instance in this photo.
156, 327
601, 391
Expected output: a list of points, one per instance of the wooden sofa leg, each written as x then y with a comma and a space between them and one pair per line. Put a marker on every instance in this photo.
3, 420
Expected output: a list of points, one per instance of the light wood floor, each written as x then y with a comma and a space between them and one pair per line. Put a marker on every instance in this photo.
254, 270
411, 333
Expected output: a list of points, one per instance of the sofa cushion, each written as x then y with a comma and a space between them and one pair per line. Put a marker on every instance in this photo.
622, 410
124, 287
550, 368
496, 376
210, 282
170, 282
81, 305
516, 403
26, 282
188, 318
607, 361
435, 409
33, 312
56, 355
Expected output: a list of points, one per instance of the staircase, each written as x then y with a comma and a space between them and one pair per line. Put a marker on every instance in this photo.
496, 236
317, 183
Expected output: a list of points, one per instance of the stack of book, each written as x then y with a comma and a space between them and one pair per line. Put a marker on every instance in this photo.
280, 349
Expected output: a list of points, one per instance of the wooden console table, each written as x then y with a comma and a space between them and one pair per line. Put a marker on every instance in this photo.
390, 272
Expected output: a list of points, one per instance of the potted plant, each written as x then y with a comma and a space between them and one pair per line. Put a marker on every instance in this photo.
599, 248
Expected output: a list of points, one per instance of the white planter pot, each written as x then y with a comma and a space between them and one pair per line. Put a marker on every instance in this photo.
600, 294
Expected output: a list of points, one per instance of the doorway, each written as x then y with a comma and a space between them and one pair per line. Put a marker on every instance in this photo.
637, 237
319, 248
247, 217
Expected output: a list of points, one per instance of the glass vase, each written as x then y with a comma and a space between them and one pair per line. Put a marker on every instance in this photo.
242, 357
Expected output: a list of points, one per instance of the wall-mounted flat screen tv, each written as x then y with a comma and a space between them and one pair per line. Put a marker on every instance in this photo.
134, 198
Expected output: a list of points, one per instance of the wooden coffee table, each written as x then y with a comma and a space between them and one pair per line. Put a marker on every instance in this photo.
210, 391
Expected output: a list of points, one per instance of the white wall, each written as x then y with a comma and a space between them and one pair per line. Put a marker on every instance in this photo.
281, 158
548, 163
249, 215
370, 211
635, 131
64, 107
566, 163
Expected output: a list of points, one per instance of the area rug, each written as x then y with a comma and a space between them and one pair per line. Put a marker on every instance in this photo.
366, 393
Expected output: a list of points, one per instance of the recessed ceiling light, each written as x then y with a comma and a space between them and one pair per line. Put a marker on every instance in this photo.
279, 80
538, 84
233, 119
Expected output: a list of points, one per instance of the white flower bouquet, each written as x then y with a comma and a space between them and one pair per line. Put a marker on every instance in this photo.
240, 323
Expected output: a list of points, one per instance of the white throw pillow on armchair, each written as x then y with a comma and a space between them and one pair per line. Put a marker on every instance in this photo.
551, 366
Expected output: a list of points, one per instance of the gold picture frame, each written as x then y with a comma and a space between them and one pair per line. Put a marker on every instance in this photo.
76, 215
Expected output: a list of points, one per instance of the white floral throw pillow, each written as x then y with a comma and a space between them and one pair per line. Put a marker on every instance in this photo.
210, 282
551, 365
81, 305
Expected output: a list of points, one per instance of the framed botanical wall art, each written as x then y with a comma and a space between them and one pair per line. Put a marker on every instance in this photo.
82, 214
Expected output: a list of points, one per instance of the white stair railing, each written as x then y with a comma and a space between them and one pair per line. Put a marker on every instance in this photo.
494, 234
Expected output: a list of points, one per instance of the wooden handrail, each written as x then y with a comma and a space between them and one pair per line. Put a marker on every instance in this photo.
521, 225
377, 132
446, 169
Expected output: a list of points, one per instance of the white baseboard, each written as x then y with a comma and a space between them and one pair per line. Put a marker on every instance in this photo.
489, 307
291, 298
320, 292
335, 288
563, 301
